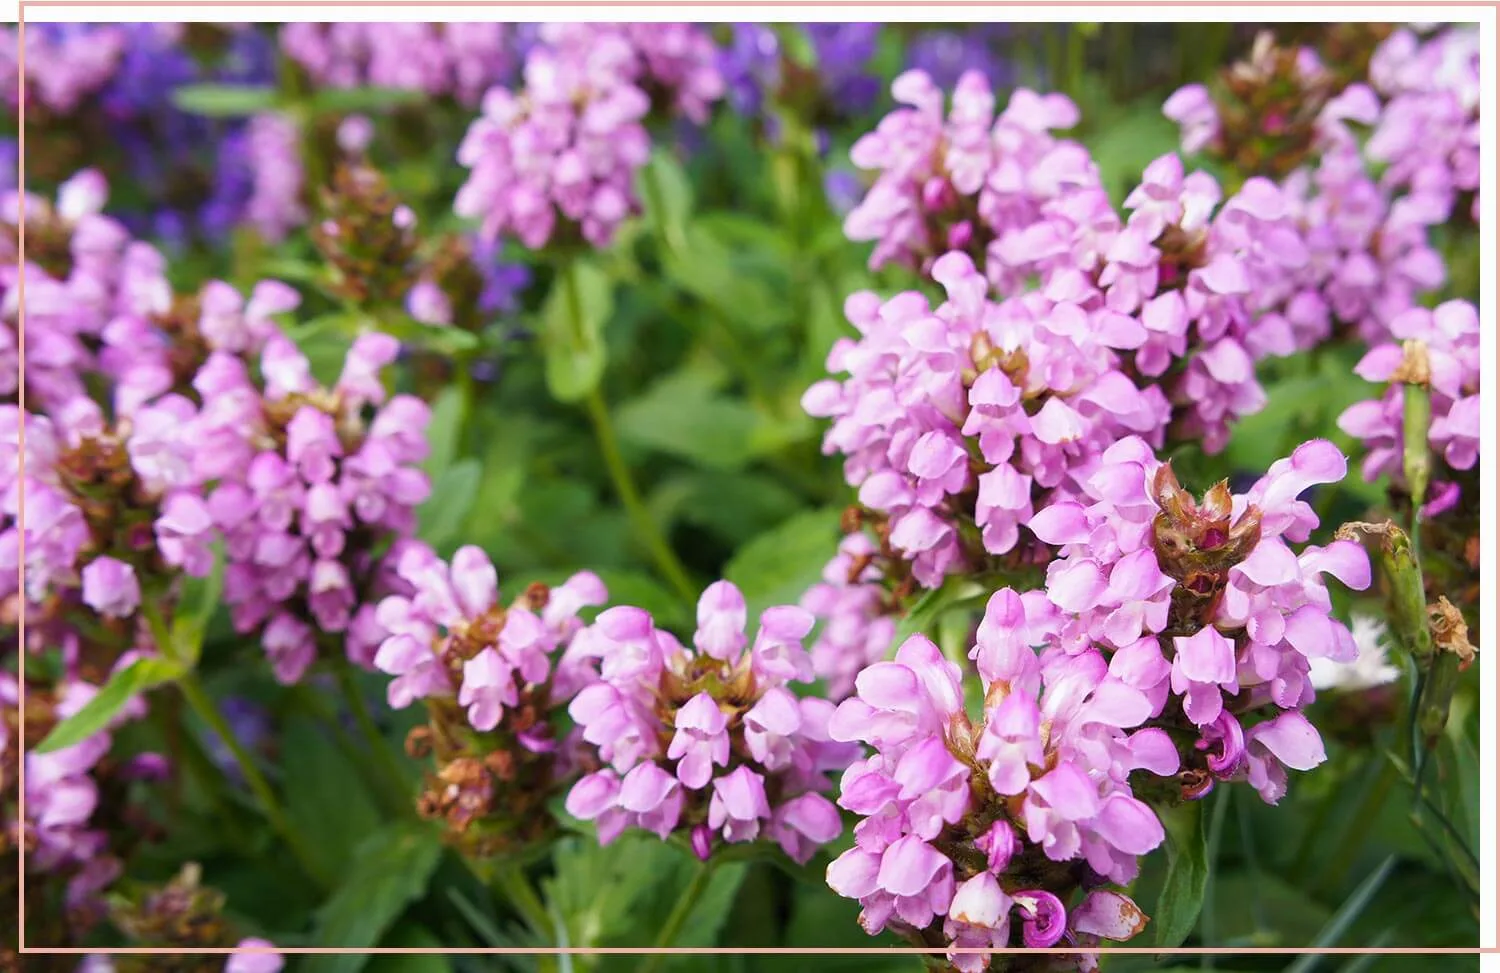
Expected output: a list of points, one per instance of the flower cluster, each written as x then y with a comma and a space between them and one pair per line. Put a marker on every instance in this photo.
1427, 134
566, 147
857, 623
1193, 278
460, 61
182, 913
269, 157
1366, 234
710, 741
1439, 350
113, 84
978, 836
310, 488
955, 421
62, 842
65, 63
75, 275
964, 180
1160, 614
486, 674
1204, 606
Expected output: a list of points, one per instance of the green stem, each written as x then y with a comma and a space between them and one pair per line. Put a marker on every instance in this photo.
680, 912
208, 712
1076, 52
393, 778
1215, 835
640, 518
513, 884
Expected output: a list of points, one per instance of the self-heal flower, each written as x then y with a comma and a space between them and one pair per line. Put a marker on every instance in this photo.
745, 758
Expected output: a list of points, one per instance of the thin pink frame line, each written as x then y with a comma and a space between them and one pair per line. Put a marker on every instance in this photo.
571, 950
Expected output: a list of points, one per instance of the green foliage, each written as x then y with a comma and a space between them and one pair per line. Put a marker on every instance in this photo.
105, 705
389, 871
1181, 897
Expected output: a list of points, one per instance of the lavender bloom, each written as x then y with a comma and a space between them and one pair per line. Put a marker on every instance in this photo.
751, 67
945, 55
709, 740
842, 53
565, 149
441, 60
1448, 337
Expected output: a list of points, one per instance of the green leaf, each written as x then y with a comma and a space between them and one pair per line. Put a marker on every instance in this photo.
411, 935
122, 687
1347, 913
1241, 899
390, 870
956, 592
597, 888
782, 563
326, 800
734, 507
1181, 898
343, 101
195, 609
223, 100
683, 415
669, 196
440, 339
573, 320
747, 288
449, 410
441, 518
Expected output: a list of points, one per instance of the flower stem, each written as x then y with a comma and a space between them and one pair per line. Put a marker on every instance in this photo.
680, 912
208, 712
513, 884
640, 518
393, 777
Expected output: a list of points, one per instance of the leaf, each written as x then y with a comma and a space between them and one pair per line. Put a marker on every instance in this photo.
573, 319
442, 517
1347, 913
734, 507
712, 906
684, 416
955, 592
326, 799
195, 609
411, 935
441, 339
669, 196
343, 101
1181, 898
122, 687
223, 100
597, 888
1241, 898
390, 870
782, 563
727, 277
449, 410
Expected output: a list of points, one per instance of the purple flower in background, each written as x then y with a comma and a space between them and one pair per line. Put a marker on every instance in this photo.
944, 55
842, 54
751, 66
442, 60
251, 725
